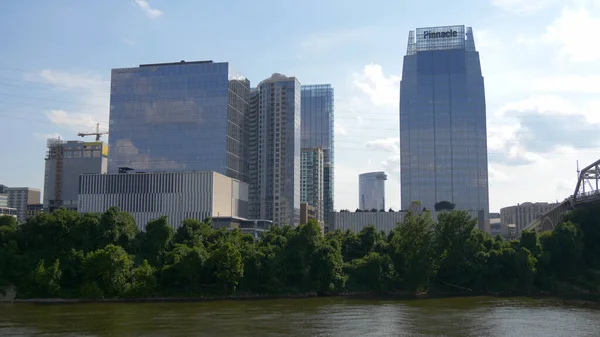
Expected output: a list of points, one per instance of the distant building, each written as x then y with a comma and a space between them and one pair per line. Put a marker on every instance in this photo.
34, 209
356, 221
4, 200
65, 161
20, 197
180, 195
318, 131
307, 212
179, 117
495, 225
523, 214
311, 181
371, 190
274, 147
7, 211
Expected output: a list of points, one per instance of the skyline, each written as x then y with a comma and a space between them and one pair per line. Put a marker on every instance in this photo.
539, 74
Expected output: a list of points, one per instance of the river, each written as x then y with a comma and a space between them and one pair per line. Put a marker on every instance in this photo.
471, 316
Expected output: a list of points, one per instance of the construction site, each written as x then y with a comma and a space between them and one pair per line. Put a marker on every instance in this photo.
65, 161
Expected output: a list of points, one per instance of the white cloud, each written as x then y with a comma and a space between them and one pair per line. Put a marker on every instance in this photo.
64, 118
495, 175
89, 93
339, 129
569, 33
152, 13
523, 6
381, 89
568, 83
391, 145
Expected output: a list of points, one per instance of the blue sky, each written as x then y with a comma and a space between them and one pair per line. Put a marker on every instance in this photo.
539, 58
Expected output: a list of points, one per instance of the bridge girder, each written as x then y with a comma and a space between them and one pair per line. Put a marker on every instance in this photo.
588, 183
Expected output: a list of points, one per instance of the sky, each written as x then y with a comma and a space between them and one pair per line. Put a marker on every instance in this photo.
540, 60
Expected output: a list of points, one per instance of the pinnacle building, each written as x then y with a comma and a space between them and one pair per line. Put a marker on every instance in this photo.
443, 137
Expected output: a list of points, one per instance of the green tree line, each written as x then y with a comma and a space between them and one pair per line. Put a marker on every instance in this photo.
71, 255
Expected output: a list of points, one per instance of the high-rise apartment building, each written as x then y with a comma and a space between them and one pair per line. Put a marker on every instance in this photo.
20, 197
65, 161
443, 144
179, 117
371, 190
317, 131
311, 180
274, 148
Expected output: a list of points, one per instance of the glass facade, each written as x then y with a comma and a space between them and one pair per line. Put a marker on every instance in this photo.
371, 190
177, 117
274, 146
317, 131
311, 180
443, 121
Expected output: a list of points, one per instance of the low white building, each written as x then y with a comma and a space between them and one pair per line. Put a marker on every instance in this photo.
356, 221
179, 196
523, 214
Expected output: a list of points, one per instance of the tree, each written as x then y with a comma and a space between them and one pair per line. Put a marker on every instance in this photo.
227, 267
116, 228
108, 269
444, 206
412, 251
143, 281
156, 241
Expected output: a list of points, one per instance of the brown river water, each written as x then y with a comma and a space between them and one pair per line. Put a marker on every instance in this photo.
468, 316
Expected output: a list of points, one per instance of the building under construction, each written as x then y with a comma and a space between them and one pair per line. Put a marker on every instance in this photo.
65, 161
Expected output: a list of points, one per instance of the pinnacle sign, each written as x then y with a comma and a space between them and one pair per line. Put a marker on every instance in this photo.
436, 35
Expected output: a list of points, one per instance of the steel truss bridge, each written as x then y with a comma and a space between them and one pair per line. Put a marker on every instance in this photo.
587, 191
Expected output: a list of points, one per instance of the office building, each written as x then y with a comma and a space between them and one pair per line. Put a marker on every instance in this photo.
179, 117
371, 190
20, 197
356, 221
523, 214
3, 200
443, 139
180, 195
274, 148
35, 209
318, 131
311, 180
65, 161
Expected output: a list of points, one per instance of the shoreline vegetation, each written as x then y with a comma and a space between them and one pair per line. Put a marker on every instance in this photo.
401, 296
66, 257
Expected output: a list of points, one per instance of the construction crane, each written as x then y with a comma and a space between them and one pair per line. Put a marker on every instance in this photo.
98, 133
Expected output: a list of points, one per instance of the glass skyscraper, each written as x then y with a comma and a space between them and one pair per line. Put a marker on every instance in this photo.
443, 144
371, 190
317, 131
274, 146
179, 117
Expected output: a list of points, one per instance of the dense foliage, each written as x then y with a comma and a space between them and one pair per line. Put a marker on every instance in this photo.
65, 254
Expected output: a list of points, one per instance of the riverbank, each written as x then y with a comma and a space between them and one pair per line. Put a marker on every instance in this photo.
589, 297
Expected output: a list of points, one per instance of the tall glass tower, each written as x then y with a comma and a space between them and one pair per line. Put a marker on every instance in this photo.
443, 144
179, 117
317, 131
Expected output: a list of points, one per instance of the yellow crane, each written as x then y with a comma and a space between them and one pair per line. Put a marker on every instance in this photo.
98, 133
